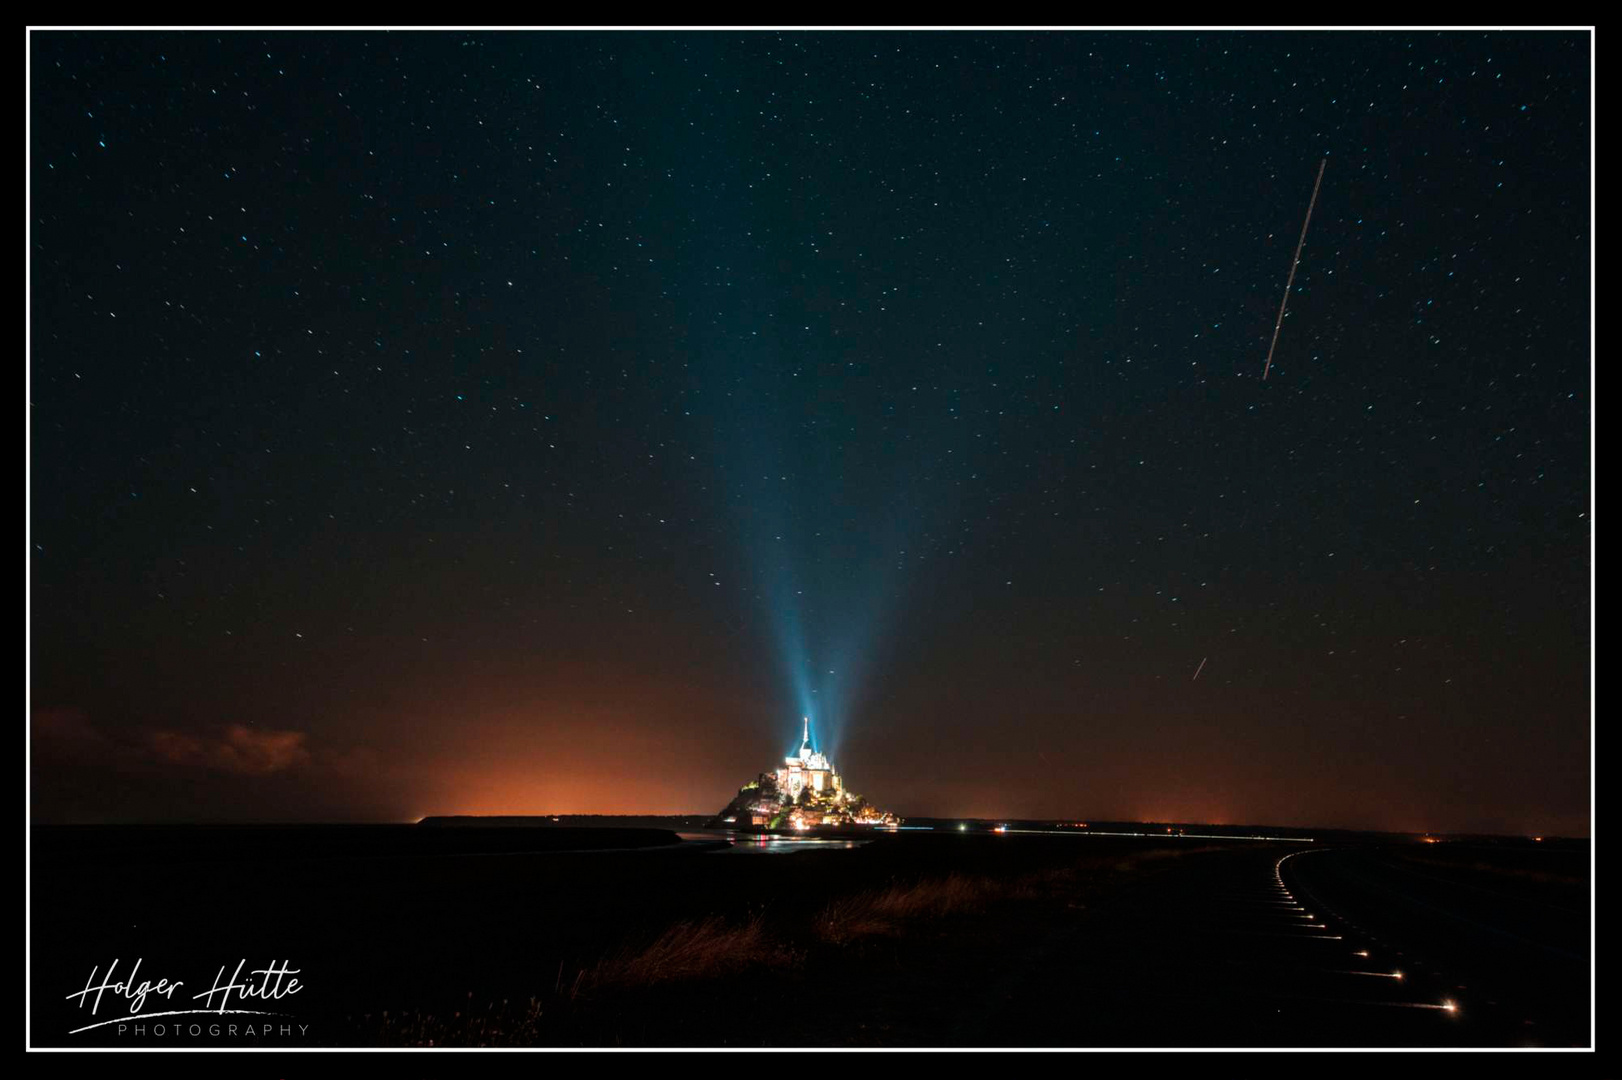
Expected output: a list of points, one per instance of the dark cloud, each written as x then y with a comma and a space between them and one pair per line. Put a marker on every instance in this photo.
238, 749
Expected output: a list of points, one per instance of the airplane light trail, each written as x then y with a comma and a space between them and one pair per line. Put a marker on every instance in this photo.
1299, 245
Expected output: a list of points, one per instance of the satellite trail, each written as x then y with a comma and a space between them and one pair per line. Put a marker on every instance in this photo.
1298, 246
1199, 669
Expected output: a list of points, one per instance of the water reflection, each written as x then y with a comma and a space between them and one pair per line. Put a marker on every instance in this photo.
759, 844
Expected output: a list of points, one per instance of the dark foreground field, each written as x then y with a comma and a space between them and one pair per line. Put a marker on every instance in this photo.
475, 936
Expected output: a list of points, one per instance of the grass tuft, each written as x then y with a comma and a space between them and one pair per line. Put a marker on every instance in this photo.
884, 911
697, 949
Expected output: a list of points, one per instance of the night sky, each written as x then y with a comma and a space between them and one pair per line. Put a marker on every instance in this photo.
545, 422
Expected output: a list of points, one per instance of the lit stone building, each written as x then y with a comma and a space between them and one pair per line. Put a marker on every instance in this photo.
808, 770
804, 793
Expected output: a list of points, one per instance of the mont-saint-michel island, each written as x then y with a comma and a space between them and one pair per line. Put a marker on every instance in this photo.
805, 792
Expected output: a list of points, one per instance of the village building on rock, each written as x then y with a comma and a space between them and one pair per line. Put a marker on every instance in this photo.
805, 792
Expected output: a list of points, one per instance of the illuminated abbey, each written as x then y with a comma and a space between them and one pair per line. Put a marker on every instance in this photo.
804, 792
808, 769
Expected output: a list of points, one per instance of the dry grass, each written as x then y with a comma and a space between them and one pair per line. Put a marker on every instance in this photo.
713, 947
703, 949
884, 911
495, 1024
